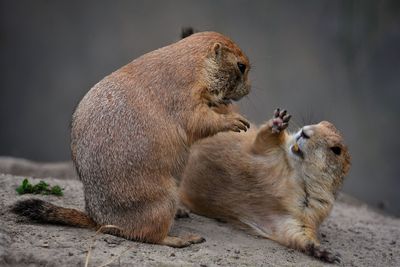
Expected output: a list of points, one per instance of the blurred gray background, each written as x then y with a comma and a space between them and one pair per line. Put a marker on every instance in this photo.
332, 60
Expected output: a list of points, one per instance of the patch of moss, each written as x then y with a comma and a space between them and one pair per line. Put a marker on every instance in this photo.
40, 188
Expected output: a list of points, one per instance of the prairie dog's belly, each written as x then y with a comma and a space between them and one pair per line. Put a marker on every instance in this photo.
209, 181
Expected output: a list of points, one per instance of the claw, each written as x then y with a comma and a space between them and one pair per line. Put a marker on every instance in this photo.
286, 118
246, 123
283, 113
237, 130
337, 260
322, 254
276, 112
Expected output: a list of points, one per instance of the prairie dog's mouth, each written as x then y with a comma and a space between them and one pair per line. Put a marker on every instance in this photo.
300, 138
220, 102
236, 98
296, 150
226, 101
238, 93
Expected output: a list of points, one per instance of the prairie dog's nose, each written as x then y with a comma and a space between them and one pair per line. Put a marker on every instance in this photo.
307, 131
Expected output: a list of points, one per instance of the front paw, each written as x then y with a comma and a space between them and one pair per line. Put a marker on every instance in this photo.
236, 123
323, 254
280, 121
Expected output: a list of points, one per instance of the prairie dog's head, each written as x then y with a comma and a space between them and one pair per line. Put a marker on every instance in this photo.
226, 72
320, 153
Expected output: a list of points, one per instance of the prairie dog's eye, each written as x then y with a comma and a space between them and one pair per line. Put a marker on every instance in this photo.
337, 150
304, 135
242, 67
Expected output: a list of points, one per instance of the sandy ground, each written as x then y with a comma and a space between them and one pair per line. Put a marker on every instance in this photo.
362, 236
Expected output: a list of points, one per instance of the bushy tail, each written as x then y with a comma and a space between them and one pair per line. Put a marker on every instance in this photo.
45, 212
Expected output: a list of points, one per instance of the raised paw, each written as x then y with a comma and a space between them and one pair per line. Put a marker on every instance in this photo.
323, 254
280, 121
236, 123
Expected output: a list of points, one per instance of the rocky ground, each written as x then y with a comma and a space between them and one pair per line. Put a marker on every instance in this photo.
362, 236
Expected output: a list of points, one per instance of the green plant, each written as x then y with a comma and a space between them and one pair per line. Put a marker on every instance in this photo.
40, 188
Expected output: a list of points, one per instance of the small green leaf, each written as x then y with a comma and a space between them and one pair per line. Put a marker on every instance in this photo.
56, 190
24, 188
40, 188
20, 190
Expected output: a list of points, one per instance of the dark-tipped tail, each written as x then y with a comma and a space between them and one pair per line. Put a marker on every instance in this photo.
45, 212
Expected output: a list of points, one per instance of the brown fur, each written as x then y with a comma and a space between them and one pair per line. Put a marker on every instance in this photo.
132, 131
254, 180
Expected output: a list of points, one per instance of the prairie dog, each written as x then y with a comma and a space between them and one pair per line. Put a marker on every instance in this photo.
278, 185
132, 131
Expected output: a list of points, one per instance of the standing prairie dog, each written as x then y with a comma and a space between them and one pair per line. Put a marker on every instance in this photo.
131, 135
278, 185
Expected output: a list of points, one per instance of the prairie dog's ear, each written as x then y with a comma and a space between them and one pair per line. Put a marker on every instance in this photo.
187, 31
217, 50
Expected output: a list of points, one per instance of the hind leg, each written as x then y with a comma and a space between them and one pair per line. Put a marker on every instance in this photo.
150, 223
156, 231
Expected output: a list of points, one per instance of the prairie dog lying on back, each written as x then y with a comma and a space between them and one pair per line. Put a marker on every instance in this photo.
278, 185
